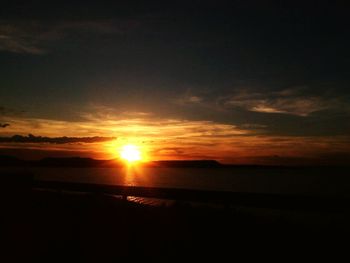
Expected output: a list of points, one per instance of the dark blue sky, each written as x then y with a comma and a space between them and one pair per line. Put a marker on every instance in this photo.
279, 66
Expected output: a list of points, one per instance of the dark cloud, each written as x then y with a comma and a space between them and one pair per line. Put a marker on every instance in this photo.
54, 140
292, 101
299, 101
4, 125
32, 37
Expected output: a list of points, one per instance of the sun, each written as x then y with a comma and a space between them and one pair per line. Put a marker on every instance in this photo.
130, 153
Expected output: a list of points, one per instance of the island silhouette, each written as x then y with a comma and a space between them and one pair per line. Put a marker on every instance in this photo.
6, 160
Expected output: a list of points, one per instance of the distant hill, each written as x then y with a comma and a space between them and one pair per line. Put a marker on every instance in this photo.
76, 162
10, 161
6, 160
187, 163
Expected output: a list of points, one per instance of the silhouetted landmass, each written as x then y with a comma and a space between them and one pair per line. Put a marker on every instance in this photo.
188, 163
11, 161
89, 162
57, 162
76, 162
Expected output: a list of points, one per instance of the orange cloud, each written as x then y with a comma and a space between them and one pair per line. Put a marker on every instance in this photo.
172, 138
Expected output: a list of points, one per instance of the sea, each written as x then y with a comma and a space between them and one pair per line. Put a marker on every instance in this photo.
280, 180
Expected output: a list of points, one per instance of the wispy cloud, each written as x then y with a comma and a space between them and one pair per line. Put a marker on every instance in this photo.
163, 138
289, 101
152, 132
188, 100
32, 37
19, 44
20, 37
298, 101
192, 96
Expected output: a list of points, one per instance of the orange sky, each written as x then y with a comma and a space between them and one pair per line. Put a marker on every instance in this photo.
162, 139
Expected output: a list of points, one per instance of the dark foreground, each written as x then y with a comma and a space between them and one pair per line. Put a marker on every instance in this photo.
52, 226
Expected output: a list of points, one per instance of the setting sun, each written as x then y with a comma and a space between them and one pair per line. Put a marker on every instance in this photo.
130, 153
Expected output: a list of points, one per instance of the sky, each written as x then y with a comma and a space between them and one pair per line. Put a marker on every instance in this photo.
242, 82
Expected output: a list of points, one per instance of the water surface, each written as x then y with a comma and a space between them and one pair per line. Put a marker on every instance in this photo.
266, 180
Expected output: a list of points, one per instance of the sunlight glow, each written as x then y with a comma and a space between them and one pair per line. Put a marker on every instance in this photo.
130, 153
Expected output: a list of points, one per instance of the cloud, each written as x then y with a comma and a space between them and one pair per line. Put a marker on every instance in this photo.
152, 132
188, 100
292, 101
162, 138
4, 125
253, 126
299, 101
194, 99
32, 37
20, 38
18, 44
55, 140
190, 97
